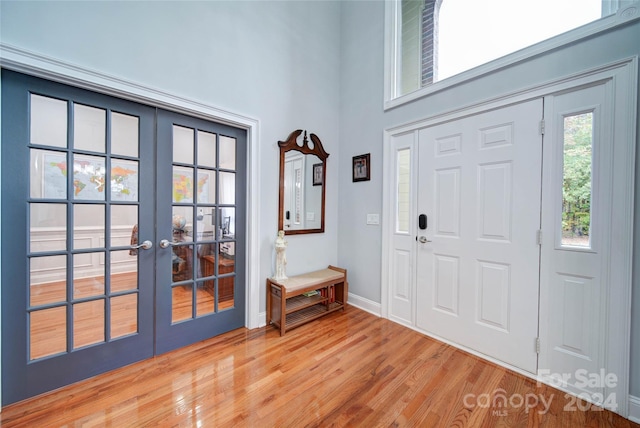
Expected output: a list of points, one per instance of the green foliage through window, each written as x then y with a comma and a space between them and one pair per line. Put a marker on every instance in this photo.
576, 186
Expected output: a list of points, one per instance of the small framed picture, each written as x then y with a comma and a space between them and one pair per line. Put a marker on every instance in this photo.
361, 168
317, 174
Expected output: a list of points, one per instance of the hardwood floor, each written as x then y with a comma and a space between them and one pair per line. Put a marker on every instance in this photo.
347, 369
48, 328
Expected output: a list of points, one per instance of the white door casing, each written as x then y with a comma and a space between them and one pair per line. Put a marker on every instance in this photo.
477, 278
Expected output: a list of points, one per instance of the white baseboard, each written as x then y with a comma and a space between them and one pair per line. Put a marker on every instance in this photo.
634, 409
262, 319
365, 304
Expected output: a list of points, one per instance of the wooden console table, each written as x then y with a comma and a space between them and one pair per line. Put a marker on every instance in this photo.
299, 299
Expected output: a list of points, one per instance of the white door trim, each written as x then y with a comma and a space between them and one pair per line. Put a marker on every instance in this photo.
574, 80
38, 65
624, 75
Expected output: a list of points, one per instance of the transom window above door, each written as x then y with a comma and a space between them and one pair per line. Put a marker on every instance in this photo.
428, 41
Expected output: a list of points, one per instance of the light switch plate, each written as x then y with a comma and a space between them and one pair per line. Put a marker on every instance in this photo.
373, 219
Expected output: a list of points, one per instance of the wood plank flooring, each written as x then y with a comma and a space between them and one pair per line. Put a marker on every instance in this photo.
48, 328
349, 369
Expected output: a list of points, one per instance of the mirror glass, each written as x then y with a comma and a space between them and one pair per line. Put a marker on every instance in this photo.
302, 189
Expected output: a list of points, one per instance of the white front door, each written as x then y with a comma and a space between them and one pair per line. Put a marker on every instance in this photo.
479, 186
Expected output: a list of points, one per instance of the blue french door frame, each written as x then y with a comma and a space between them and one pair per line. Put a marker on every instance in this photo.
23, 377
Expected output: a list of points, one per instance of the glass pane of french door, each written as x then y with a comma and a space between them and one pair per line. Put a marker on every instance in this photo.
200, 262
79, 298
79, 271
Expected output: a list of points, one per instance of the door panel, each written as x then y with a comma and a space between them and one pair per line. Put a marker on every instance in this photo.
200, 269
477, 269
447, 187
574, 249
446, 284
76, 300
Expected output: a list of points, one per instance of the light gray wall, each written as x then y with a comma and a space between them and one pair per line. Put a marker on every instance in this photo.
277, 62
361, 116
363, 121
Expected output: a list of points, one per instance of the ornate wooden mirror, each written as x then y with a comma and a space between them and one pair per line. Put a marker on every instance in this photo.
302, 184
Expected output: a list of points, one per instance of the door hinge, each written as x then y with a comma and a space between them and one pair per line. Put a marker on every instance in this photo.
542, 127
539, 237
537, 345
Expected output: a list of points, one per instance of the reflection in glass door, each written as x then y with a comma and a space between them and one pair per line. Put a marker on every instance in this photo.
78, 292
200, 262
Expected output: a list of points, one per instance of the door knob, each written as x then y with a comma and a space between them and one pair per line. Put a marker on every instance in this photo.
422, 239
166, 244
145, 245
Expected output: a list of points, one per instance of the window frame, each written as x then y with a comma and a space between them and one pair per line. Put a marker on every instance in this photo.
392, 44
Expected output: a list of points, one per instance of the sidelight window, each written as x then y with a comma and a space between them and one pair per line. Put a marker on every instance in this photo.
577, 179
403, 191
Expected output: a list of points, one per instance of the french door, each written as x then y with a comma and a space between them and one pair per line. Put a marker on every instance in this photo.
200, 215
91, 185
